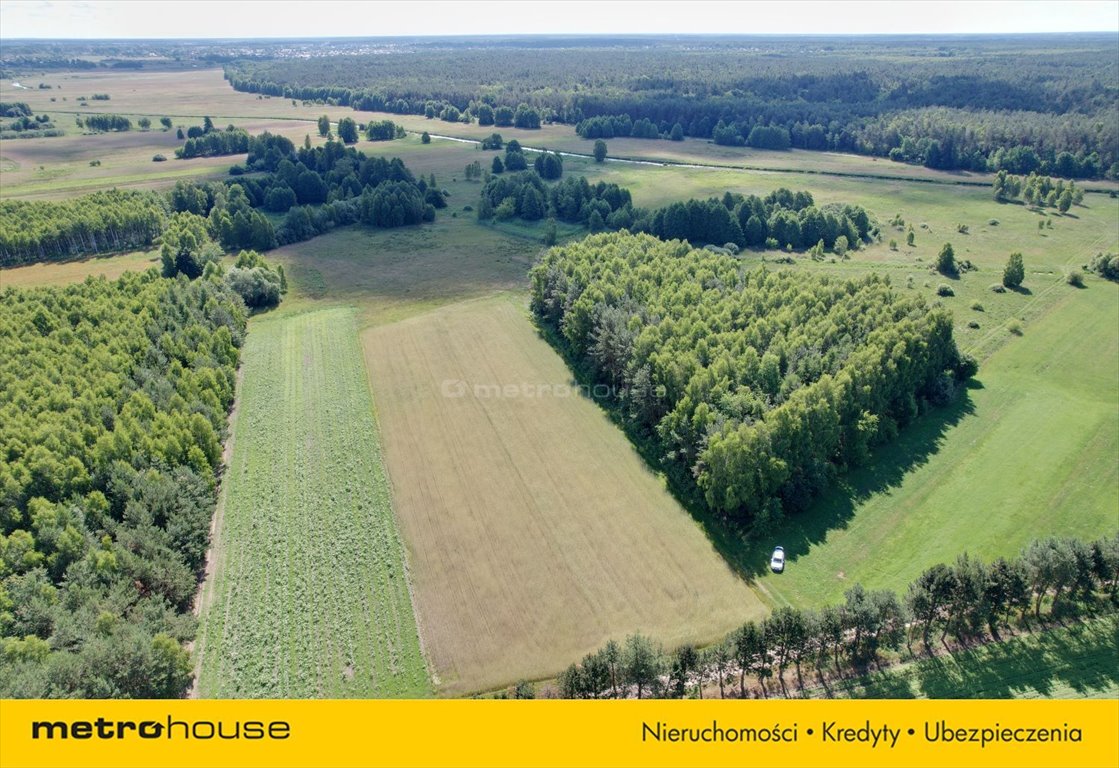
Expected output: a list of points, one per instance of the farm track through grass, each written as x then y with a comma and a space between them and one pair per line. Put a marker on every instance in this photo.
310, 589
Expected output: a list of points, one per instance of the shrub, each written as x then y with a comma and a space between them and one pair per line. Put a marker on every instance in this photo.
977, 306
993, 222
998, 287
967, 367
1014, 327
1075, 278
237, 170
159, 159
1106, 265
973, 324
944, 290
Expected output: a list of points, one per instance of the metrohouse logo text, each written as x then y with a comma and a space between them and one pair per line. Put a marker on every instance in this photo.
169, 729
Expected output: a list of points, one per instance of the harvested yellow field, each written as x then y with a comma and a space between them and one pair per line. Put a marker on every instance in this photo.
534, 531
66, 272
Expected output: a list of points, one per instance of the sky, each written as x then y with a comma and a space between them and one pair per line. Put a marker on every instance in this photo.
341, 18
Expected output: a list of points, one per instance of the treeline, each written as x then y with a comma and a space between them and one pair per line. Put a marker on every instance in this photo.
231, 141
104, 123
782, 219
609, 126
941, 103
1037, 191
757, 387
525, 195
116, 220
1067, 144
113, 400
968, 601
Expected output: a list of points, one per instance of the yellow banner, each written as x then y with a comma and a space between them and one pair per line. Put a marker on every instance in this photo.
342, 734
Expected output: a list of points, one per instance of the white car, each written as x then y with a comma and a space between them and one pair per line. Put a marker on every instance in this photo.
777, 562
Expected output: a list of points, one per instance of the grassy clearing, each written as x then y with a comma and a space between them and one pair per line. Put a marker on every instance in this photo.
393, 274
1030, 451
1074, 662
64, 272
535, 531
310, 594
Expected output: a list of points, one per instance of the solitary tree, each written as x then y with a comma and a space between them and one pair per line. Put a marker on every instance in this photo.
677, 133
910, 239
1015, 271
165, 122
642, 663
946, 261
145, 123
599, 151
425, 138
324, 126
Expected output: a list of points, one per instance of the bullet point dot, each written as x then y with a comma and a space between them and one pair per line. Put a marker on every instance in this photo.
911, 731
809, 731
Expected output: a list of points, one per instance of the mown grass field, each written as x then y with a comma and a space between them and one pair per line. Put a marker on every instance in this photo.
535, 531
1073, 662
1030, 451
309, 596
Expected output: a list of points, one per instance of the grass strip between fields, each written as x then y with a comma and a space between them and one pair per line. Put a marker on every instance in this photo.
310, 592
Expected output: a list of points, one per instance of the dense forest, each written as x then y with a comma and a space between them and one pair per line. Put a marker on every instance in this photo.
113, 399
942, 102
969, 600
755, 386
116, 220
